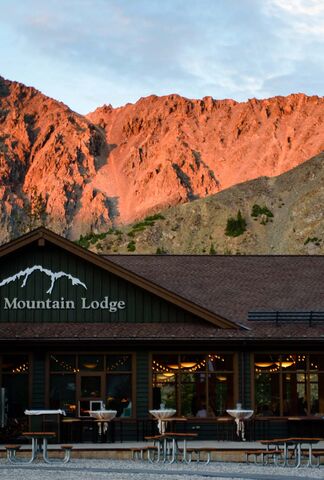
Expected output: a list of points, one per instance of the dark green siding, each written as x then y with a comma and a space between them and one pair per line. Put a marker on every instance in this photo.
245, 379
38, 390
38, 381
142, 384
141, 306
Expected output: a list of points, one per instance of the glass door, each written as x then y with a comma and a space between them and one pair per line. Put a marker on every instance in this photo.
91, 382
90, 392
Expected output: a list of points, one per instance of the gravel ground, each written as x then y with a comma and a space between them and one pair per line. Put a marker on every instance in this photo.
128, 470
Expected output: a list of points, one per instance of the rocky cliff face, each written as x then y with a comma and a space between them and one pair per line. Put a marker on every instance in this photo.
282, 215
79, 173
48, 156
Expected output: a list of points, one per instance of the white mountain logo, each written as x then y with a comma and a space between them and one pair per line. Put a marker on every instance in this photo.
53, 275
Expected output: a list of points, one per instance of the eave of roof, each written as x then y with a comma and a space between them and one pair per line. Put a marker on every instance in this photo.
171, 333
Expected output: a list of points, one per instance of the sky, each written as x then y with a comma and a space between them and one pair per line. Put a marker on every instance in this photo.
87, 53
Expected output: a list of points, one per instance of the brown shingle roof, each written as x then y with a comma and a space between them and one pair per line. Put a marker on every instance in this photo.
109, 331
231, 286
170, 332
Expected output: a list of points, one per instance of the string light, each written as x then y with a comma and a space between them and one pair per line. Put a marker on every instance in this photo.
23, 368
113, 367
119, 363
183, 365
65, 365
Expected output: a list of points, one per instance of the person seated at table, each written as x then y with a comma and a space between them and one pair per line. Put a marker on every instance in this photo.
114, 403
126, 404
275, 408
202, 411
266, 411
286, 408
301, 406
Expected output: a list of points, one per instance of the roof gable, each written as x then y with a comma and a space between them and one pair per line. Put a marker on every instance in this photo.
180, 309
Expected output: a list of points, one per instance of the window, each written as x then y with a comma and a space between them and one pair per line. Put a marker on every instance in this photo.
289, 384
63, 383
193, 384
14, 370
79, 381
119, 384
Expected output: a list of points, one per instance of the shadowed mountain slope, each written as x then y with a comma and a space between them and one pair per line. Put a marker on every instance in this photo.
293, 222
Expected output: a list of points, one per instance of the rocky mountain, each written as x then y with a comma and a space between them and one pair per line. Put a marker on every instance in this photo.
282, 215
77, 174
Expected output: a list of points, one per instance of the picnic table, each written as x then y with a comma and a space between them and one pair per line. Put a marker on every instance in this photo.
168, 447
39, 445
294, 445
43, 413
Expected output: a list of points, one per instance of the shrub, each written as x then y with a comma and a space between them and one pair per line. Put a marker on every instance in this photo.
257, 210
138, 229
140, 225
313, 240
157, 216
147, 222
212, 250
131, 247
90, 239
235, 226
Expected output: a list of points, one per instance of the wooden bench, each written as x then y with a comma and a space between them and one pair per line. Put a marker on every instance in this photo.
274, 453
11, 452
318, 454
67, 449
138, 453
197, 452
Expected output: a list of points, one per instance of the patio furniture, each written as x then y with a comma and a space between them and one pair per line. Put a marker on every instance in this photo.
162, 415
225, 428
67, 449
11, 452
240, 415
102, 418
294, 446
168, 450
36, 448
264, 454
317, 454
71, 429
43, 413
139, 452
194, 454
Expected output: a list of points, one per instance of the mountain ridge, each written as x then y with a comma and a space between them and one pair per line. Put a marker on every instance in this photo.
77, 173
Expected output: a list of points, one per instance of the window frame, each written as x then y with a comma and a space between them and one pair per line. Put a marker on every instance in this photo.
102, 373
234, 372
308, 371
29, 373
